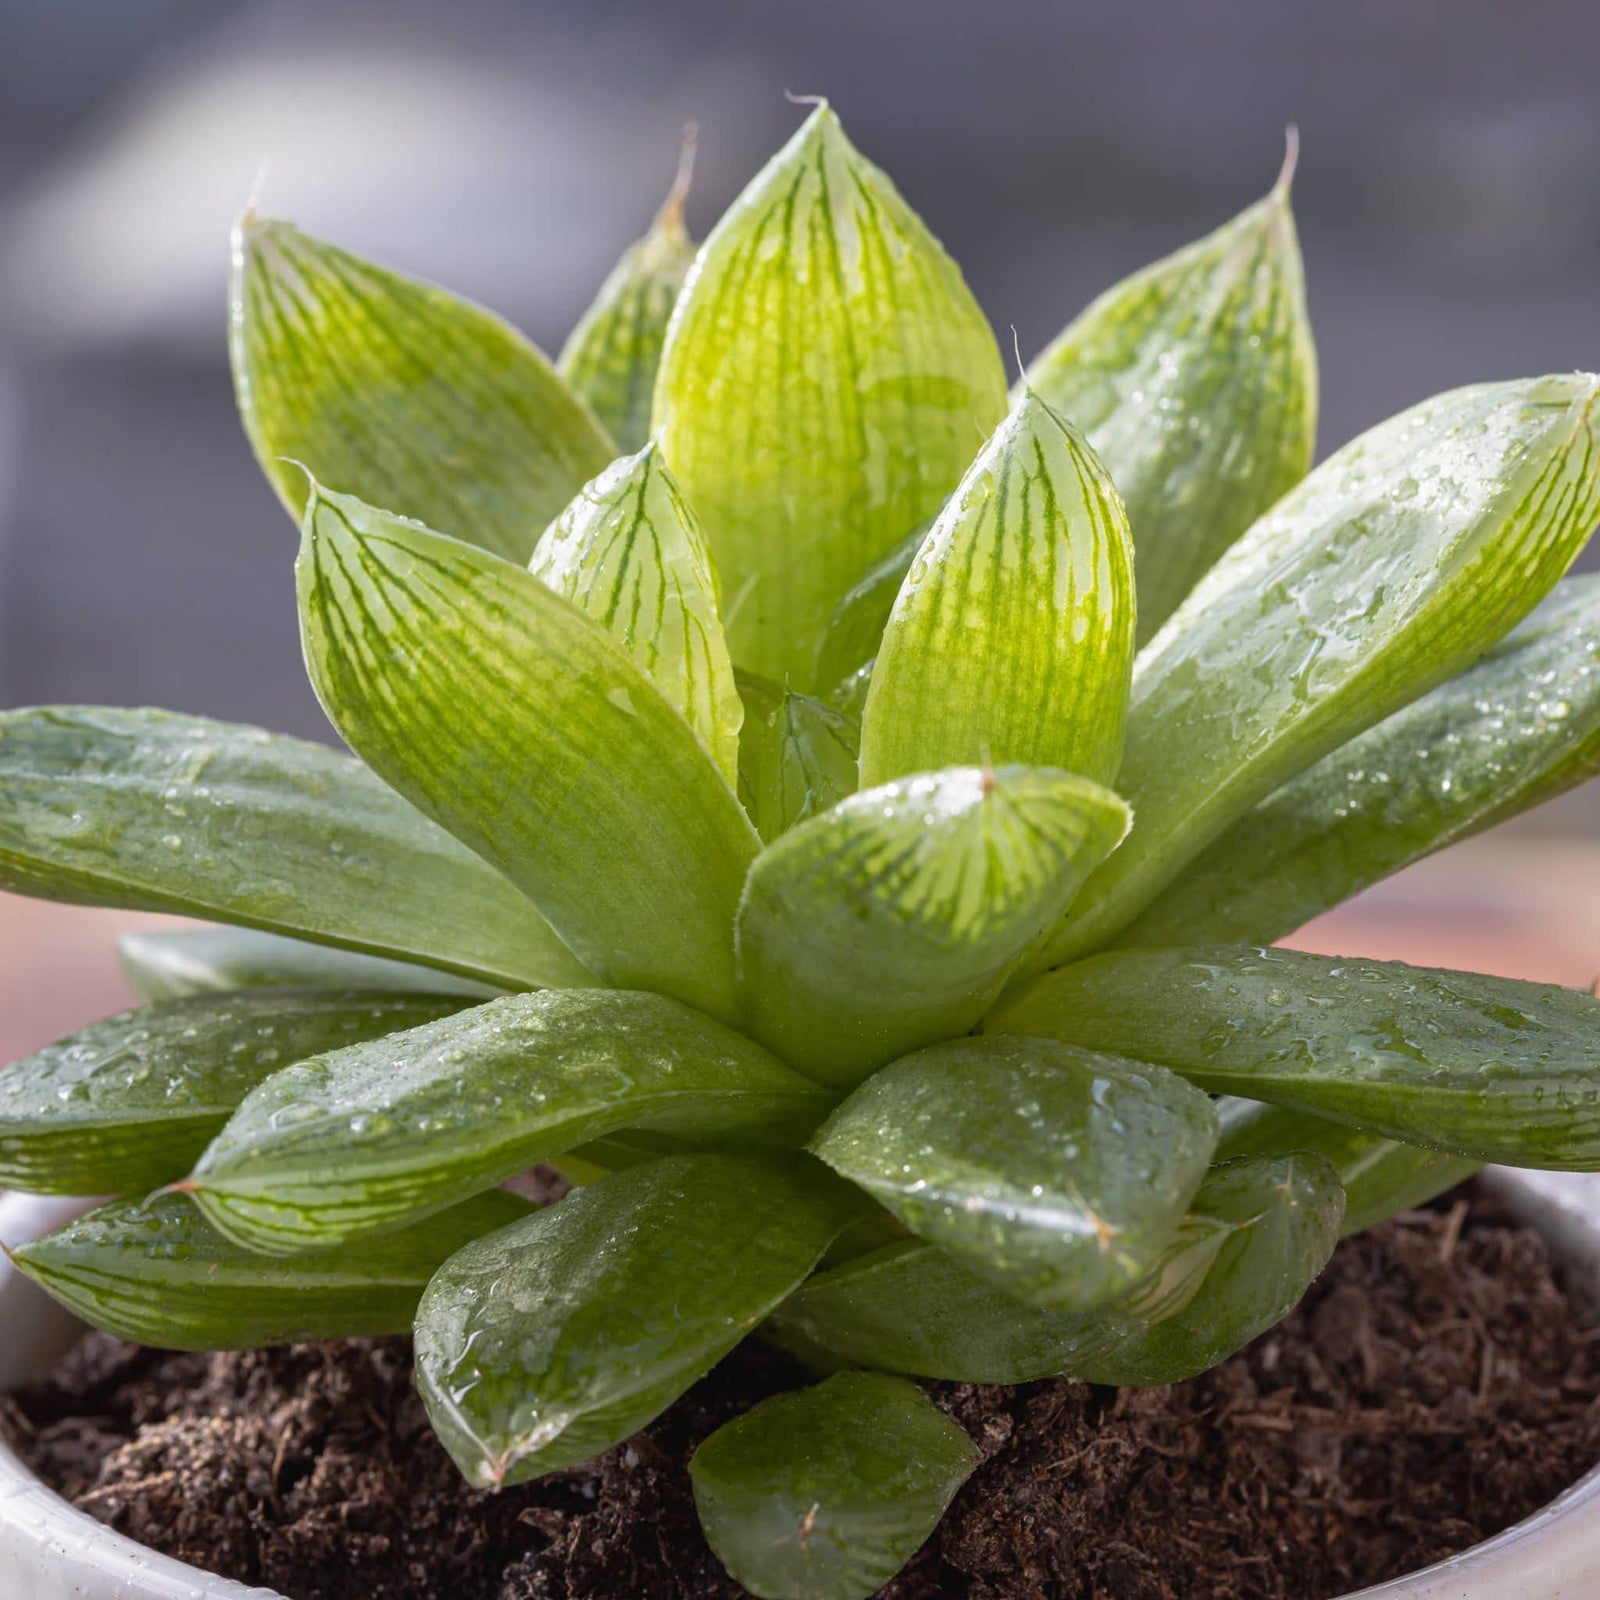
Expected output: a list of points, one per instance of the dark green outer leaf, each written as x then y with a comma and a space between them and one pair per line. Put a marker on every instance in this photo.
1487, 1068
523, 727
855, 629
130, 1102
161, 812
544, 1344
826, 1493
155, 1271
358, 1140
1516, 729
1058, 1174
399, 393
797, 757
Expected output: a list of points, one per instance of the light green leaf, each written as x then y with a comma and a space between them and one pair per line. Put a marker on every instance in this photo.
825, 1494
524, 728
1012, 637
1487, 1068
130, 1102
1379, 1176
893, 920
156, 1272
1196, 382
161, 812
402, 394
797, 757
361, 1139
1518, 728
610, 358
849, 698
1398, 562
1058, 1174
855, 629
825, 377
629, 552
547, 1342
172, 963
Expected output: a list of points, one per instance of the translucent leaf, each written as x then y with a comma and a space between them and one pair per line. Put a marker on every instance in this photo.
893, 920
156, 1272
523, 727
797, 757
1058, 1174
172, 963
855, 629
161, 812
629, 552
1012, 637
547, 1342
361, 1139
130, 1102
610, 359
1398, 562
1518, 728
1487, 1068
1196, 382
825, 1494
395, 391
825, 378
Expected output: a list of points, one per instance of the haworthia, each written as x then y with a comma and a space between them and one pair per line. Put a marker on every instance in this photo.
1517, 728
1196, 382
825, 376
130, 1102
1058, 1174
360, 1139
545, 1343
893, 919
826, 1493
525, 728
610, 358
797, 757
630, 553
397, 392
1379, 1176
1487, 1068
161, 812
855, 629
1398, 562
171, 963
155, 1271
1012, 636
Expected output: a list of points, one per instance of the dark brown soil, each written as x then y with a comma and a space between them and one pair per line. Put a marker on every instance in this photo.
1433, 1388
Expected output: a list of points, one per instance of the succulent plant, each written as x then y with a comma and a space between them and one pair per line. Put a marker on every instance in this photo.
765, 818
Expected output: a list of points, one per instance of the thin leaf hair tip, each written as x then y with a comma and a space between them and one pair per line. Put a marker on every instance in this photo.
671, 212
1291, 160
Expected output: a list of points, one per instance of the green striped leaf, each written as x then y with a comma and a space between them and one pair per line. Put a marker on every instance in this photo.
1059, 1175
130, 1102
1516, 729
1380, 1177
395, 391
359, 1140
1487, 1068
825, 1494
549, 1341
1196, 382
156, 1272
610, 358
797, 757
170, 964
523, 727
892, 920
1398, 562
1012, 637
824, 378
855, 630
629, 552
161, 812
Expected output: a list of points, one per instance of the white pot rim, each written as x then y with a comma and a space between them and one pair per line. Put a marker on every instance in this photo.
50, 1550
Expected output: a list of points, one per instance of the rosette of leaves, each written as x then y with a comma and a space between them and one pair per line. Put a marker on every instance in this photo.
771, 824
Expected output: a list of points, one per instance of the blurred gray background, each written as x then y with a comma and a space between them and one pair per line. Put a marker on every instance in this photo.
1448, 196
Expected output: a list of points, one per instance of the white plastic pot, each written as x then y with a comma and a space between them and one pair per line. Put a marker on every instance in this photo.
49, 1550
